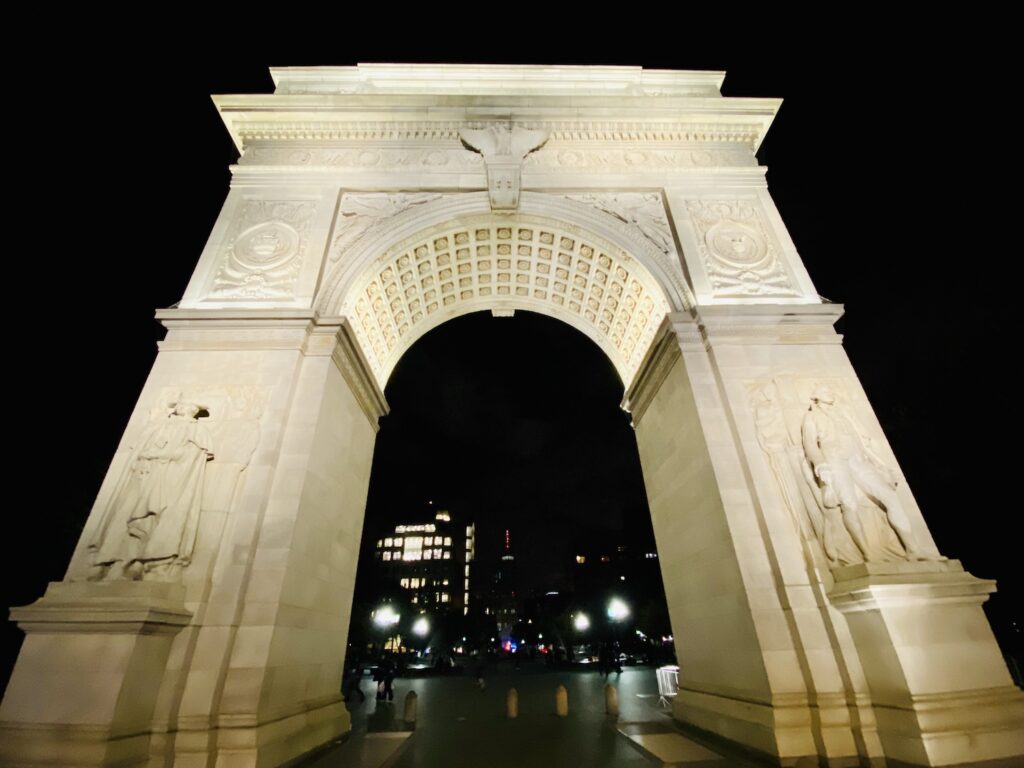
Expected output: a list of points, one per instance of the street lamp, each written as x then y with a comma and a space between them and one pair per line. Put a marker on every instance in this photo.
617, 610
421, 626
385, 617
581, 622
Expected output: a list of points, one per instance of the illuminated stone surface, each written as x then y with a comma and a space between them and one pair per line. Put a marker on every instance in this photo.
318, 275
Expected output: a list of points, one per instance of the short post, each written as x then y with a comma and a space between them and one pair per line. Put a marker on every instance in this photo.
512, 704
561, 701
611, 700
411, 705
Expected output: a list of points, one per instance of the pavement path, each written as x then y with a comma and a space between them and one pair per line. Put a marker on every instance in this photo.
460, 726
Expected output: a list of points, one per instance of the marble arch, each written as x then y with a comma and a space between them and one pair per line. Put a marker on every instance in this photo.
370, 204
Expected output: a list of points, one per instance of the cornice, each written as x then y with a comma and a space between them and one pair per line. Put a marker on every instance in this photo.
264, 119
494, 79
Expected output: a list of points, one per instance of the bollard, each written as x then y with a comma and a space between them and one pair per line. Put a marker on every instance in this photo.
611, 700
561, 701
512, 704
411, 705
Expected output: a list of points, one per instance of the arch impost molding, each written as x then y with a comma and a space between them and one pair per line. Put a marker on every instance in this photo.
660, 358
769, 323
278, 329
348, 357
703, 327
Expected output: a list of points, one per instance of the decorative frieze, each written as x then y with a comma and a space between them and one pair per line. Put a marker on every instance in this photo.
365, 156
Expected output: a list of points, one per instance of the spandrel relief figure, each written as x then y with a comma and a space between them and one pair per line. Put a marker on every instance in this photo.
149, 528
847, 476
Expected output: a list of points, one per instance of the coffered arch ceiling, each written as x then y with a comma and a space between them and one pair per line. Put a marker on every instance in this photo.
486, 261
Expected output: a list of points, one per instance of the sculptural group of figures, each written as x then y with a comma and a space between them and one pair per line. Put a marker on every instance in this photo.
839, 490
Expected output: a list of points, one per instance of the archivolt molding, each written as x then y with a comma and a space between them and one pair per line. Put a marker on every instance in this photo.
453, 256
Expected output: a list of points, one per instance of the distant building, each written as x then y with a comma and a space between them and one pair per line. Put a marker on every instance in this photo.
504, 602
431, 560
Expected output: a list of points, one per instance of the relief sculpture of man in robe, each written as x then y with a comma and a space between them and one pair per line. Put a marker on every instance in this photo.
843, 466
149, 528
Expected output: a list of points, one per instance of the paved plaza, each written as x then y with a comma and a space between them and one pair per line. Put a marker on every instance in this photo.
459, 725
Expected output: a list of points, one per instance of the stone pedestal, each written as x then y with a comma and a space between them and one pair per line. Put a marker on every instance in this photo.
83, 690
941, 692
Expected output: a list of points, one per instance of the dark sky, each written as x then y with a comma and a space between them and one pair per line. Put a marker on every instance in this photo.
878, 161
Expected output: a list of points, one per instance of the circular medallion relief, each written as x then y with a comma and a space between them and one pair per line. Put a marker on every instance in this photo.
267, 245
736, 244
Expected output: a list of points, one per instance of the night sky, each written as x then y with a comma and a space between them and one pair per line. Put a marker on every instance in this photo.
878, 177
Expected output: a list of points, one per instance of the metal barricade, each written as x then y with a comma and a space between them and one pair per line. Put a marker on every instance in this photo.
668, 683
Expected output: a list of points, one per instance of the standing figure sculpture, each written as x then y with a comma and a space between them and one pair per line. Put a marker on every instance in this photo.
150, 524
842, 465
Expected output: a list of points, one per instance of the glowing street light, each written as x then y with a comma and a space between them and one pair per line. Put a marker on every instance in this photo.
617, 610
385, 617
421, 626
581, 622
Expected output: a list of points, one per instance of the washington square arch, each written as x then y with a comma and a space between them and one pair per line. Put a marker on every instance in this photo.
203, 617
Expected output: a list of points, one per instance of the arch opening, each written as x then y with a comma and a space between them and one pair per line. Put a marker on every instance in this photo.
548, 476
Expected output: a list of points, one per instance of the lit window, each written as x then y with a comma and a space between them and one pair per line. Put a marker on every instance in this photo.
467, 571
437, 554
444, 597
427, 553
387, 555
380, 543
388, 542
414, 600
469, 530
404, 583
581, 559
466, 585
429, 541
447, 555
466, 598
398, 541
445, 582
447, 541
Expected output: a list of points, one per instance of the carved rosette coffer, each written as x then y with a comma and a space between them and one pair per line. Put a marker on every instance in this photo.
739, 255
503, 147
264, 254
